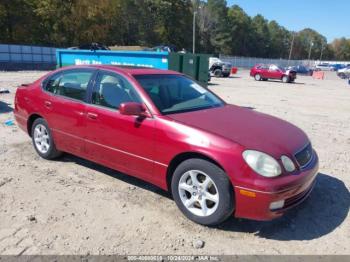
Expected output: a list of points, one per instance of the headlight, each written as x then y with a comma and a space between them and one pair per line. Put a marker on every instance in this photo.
262, 163
288, 164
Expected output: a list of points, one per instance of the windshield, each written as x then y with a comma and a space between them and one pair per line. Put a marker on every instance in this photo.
177, 94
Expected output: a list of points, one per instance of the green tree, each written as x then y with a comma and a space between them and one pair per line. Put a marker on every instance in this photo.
219, 35
174, 20
220, 29
17, 21
204, 27
239, 26
260, 42
308, 41
73, 22
280, 40
341, 48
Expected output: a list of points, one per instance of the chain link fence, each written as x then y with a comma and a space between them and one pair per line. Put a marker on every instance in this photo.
248, 62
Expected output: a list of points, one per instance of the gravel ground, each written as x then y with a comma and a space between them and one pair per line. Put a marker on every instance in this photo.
73, 206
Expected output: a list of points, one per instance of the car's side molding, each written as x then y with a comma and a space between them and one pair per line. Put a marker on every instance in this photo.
111, 148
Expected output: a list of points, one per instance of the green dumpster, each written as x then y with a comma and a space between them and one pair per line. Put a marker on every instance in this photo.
195, 66
203, 69
175, 62
190, 65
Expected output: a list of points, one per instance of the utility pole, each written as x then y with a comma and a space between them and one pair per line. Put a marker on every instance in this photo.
291, 48
311, 45
321, 52
194, 32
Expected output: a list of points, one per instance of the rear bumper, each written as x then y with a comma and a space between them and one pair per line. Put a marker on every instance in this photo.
21, 122
255, 204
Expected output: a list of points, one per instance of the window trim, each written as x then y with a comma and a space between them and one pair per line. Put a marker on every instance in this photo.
98, 75
92, 80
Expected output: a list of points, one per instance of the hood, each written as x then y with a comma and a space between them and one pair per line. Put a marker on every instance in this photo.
249, 128
219, 62
289, 71
343, 70
224, 64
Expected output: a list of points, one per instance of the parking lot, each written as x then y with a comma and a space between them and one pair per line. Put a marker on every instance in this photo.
73, 206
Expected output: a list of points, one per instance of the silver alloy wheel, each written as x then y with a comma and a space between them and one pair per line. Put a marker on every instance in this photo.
41, 138
198, 193
257, 77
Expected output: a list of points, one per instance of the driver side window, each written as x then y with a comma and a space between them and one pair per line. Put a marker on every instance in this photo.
111, 90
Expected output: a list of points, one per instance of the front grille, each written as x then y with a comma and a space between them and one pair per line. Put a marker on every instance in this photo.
304, 156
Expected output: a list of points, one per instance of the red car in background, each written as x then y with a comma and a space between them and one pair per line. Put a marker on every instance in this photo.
216, 159
265, 72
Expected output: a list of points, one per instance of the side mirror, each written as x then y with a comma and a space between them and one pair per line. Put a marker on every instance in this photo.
133, 109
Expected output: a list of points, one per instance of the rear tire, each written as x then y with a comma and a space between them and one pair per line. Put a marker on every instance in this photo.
203, 192
43, 140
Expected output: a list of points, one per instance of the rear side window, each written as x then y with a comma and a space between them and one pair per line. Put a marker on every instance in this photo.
72, 84
264, 67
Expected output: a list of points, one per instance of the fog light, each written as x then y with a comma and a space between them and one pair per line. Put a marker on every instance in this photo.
276, 205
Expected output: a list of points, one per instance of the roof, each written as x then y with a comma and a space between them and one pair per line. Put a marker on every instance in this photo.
132, 70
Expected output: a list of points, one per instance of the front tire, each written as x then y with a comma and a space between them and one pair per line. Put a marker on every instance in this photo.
257, 77
218, 73
203, 192
43, 140
285, 79
342, 75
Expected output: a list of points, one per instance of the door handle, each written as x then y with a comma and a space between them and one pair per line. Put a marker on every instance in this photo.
48, 104
92, 115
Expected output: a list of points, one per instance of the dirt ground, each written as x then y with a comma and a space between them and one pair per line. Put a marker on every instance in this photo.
73, 206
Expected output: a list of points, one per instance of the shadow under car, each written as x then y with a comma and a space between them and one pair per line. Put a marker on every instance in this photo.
325, 209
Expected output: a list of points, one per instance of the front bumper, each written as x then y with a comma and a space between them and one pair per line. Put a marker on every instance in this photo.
226, 69
255, 204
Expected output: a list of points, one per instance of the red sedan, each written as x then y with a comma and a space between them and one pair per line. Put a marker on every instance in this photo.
216, 159
265, 72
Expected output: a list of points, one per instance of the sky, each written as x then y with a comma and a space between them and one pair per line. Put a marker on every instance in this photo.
329, 18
